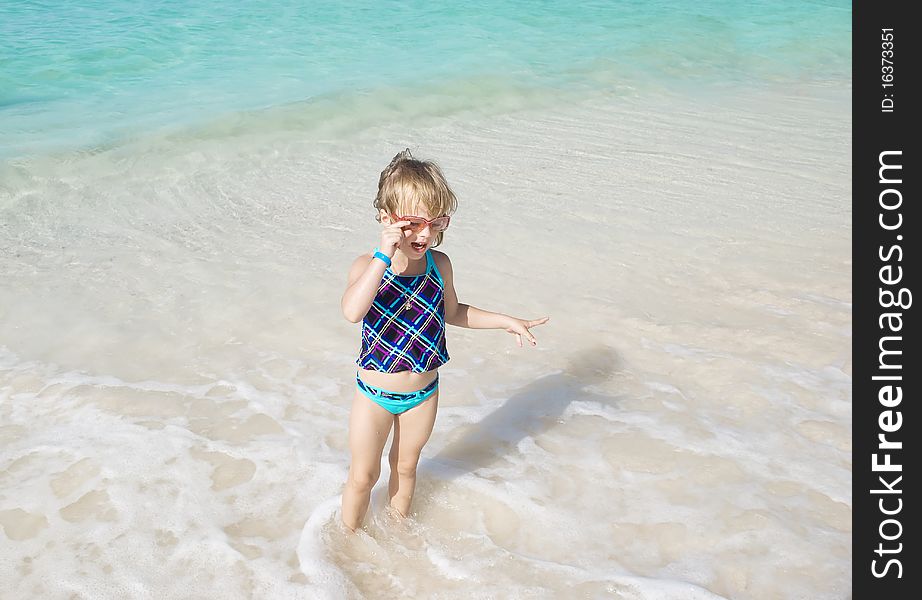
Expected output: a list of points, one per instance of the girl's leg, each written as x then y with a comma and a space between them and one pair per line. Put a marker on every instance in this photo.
411, 432
369, 426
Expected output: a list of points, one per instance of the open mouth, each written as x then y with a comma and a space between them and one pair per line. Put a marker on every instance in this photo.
417, 246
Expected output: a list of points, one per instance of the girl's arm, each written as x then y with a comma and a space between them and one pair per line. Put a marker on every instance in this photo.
366, 273
364, 278
471, 317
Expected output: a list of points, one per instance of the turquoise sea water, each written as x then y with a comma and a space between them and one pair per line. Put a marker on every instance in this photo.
79, 75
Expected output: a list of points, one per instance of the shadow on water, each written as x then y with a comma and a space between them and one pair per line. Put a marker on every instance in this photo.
528, 412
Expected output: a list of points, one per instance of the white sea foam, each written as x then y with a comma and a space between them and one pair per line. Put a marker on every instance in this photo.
312, 553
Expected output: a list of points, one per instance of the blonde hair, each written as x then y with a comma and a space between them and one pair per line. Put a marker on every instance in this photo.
409, 182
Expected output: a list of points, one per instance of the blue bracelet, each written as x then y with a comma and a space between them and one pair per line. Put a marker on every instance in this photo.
384, 258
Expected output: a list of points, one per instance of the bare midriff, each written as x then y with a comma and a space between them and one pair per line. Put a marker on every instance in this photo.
403, 381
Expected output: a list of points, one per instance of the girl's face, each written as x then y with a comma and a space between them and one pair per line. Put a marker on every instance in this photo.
420, 233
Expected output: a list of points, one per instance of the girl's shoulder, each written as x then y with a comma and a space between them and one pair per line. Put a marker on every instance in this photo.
359, 265
362, 260
441, 261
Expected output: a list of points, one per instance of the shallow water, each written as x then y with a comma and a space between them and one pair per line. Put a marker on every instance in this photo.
96, 73
176, 376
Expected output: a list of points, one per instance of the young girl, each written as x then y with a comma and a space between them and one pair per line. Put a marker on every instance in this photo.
404, 296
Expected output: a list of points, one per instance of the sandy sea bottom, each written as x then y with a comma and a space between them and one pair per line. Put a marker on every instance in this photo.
175, 374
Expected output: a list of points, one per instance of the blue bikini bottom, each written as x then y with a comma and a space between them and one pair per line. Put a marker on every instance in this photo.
397, 402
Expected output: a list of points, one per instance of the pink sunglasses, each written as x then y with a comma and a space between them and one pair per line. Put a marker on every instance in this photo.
417, 224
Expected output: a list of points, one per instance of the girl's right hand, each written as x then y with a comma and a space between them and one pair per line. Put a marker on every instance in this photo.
391, 237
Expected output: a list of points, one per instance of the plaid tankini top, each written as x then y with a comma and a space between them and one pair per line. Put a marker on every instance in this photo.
404, 330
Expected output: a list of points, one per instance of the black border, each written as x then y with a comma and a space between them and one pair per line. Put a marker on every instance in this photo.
875, 131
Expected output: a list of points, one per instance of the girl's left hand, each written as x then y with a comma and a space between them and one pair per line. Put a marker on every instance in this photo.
520, 327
